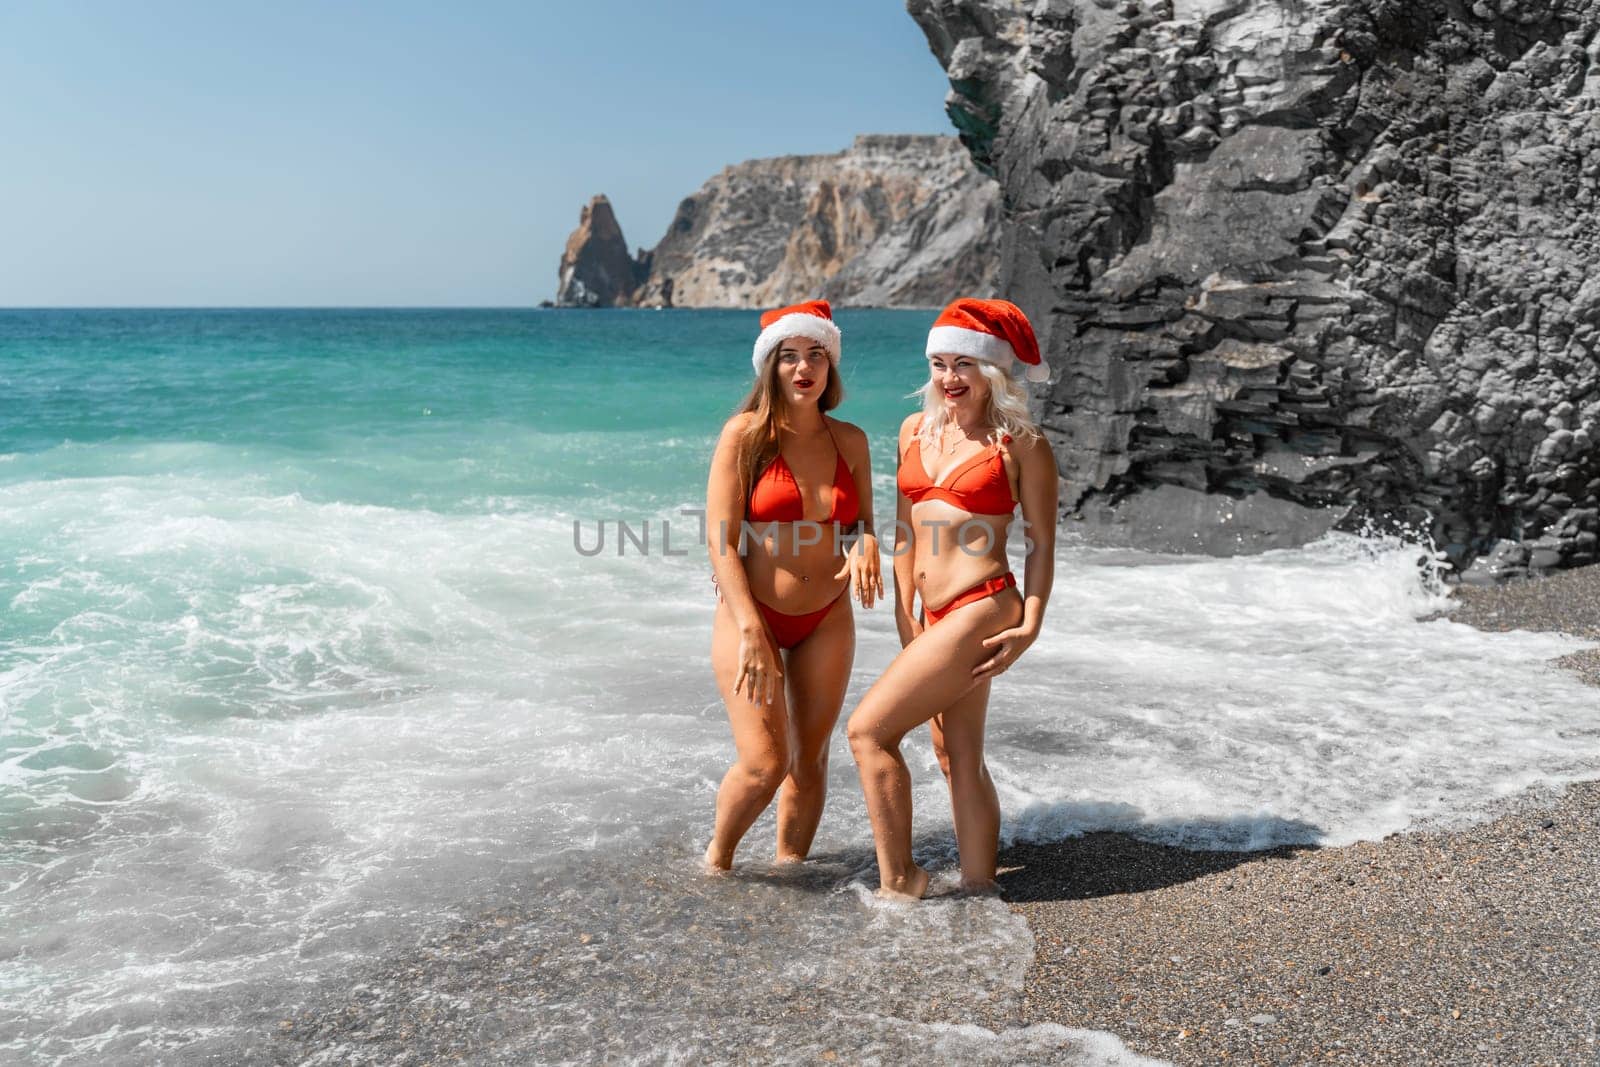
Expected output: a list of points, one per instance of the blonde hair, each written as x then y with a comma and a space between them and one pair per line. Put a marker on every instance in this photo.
758, 441
1007, 412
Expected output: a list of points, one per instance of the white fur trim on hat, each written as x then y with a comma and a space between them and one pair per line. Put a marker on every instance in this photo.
959, 341
812, 327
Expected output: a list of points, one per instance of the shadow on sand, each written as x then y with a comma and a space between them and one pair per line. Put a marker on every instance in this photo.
1105, 863
1096, 863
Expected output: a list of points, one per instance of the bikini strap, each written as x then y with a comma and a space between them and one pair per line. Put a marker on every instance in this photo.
916, 432
832, 438
838, 453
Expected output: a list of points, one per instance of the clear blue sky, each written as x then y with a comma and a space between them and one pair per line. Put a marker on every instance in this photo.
295, 153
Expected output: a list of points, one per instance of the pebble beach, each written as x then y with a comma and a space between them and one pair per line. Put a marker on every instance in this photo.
1475, 945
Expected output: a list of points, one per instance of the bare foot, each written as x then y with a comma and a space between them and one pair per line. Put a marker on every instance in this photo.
989, 888
912, 887
784, 858
715, 864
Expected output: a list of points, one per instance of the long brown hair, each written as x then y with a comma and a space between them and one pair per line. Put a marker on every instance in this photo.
758, 442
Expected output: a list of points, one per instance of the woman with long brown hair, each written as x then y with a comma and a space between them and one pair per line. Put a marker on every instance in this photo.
966, 461
790, 483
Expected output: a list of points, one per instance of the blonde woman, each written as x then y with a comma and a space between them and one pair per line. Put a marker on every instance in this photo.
796, 481
967, 461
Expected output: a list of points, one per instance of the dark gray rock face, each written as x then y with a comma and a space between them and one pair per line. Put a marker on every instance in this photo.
1303, 264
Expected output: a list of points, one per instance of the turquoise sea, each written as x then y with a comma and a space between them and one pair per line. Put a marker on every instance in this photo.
301, 669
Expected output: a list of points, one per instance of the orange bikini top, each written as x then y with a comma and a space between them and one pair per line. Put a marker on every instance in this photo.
776, 495
978, 486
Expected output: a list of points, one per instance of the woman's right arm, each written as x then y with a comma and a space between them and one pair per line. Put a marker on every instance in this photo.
758, 664
905, 585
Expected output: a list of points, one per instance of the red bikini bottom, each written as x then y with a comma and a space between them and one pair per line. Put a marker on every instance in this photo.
790, 630
976, 593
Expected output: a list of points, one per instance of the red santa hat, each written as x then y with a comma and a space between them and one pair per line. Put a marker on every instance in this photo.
812, 320
995, 331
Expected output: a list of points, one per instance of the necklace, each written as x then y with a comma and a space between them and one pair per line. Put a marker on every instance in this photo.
955, 445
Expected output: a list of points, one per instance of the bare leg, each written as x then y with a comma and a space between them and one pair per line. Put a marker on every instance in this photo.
818, 672
926, 677
760, 735
974, 807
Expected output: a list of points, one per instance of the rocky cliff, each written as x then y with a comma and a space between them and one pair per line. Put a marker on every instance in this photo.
596, 269
890, 221
1304, 263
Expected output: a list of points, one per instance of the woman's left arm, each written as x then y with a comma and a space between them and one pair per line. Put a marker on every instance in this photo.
1038, 488
862, 563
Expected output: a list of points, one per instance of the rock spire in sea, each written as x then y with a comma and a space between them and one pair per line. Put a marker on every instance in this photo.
596, 267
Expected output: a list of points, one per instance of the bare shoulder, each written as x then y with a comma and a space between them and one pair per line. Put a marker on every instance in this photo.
731, 441
852, 441
1033, 449
737, 424
848, 433
908, 425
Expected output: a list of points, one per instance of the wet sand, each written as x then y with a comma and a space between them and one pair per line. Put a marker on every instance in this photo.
1563, 603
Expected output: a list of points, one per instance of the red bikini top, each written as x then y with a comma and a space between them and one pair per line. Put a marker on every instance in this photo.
978, 486
776, 495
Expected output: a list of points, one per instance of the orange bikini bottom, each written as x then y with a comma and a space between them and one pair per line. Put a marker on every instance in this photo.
976, 593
